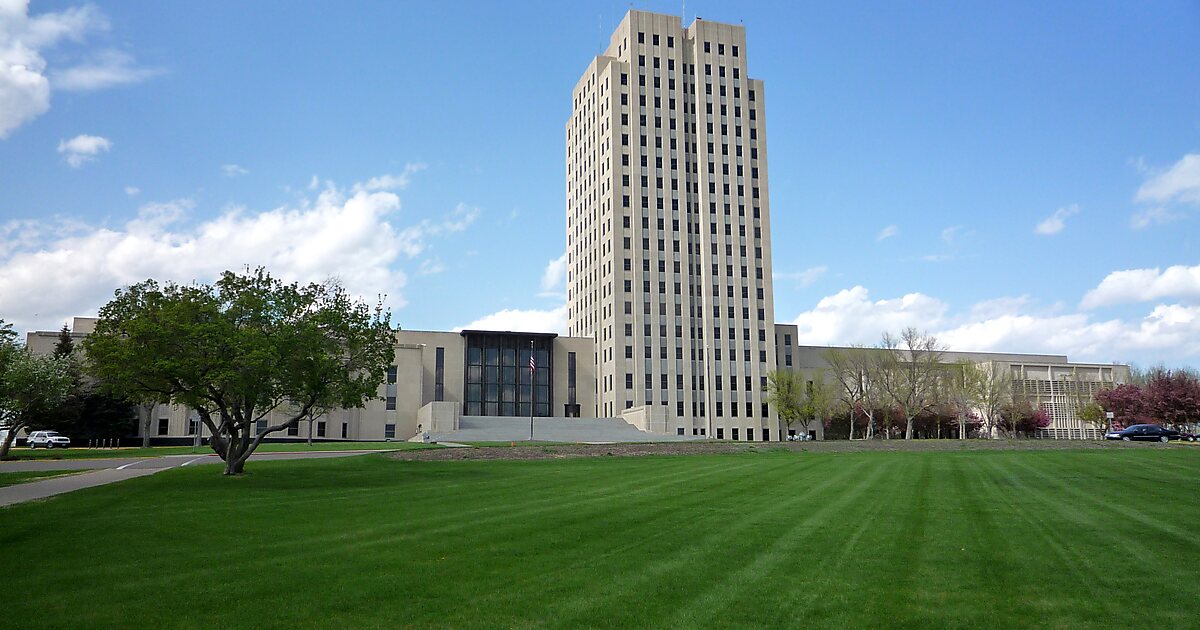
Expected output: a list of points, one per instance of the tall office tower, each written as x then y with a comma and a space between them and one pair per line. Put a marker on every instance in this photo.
668, 229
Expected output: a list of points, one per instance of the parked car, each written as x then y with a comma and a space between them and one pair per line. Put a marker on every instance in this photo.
48, 439
799, 437
1145, 433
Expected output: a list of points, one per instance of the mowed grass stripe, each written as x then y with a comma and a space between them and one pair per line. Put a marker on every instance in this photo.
701, 544
941, 539
761, 565
320, 542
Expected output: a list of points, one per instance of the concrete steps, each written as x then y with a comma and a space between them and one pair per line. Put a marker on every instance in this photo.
510, 429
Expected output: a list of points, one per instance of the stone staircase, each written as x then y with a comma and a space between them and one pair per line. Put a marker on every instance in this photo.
514, 429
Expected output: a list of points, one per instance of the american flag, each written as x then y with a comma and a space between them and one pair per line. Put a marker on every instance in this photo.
532, 365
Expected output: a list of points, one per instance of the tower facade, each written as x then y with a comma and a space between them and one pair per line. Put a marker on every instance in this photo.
668, 229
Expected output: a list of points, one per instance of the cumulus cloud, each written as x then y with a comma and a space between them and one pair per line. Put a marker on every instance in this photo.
1145, 285
354, 236
851, 316
887, 232
1055, 223
801, 278
553, 276
132, 191
516, 320
25, 87
233, 170
1168, 331
83, 148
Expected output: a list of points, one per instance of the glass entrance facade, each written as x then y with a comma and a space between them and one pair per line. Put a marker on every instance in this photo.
498, 379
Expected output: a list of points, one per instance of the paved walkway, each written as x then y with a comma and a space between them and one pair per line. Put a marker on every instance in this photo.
112, 470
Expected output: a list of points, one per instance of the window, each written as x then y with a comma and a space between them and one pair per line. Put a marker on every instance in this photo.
293, 429
679, 431
390, 395
321, 429
389, 431
734, 434
260, 426
164, 425
720, 433
439, 372
503, 383
345, 430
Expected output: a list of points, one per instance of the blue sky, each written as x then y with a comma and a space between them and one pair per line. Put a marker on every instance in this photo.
416, 149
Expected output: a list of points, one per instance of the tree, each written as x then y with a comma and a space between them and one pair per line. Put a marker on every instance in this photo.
857, 385
1172, 397
995, 393
816, 399
910, 371
240, 349
1092, 413
1125, 403
31, 388
65, 346
963, 388
784, 394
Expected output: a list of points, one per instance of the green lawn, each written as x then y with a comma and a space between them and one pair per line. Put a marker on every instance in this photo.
13, 478
1102, 538
158, 451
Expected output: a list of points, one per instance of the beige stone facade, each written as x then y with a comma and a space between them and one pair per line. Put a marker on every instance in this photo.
668, 228
1048, 381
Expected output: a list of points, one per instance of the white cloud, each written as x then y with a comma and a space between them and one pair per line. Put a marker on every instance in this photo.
1145, 285
25, 89
1055, 223
533, 320
431, 266
553, 276
385, 182
233, 170
1165, 190
887, 232
801, 278
354, 236
951, 233
103, 69
132, 191
1156, 215
850, 316
83, 148
1168, 331
1178, 184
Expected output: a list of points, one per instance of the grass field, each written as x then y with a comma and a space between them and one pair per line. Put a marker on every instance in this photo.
12, 478
1102, 538
159, 451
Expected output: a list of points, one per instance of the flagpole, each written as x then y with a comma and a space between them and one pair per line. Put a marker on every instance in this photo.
532, 367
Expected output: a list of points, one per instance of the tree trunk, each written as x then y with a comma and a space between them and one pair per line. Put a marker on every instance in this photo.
146, 422
908, 429
9, 439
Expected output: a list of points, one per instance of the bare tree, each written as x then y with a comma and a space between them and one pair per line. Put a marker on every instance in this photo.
856, 383
994, 395
910, 373
962, 389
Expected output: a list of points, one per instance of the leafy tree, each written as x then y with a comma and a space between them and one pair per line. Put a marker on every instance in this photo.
31, 388
1125, 403
784, 394
910, 372
1092, 413
1172, 397
816, 400
239, 349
